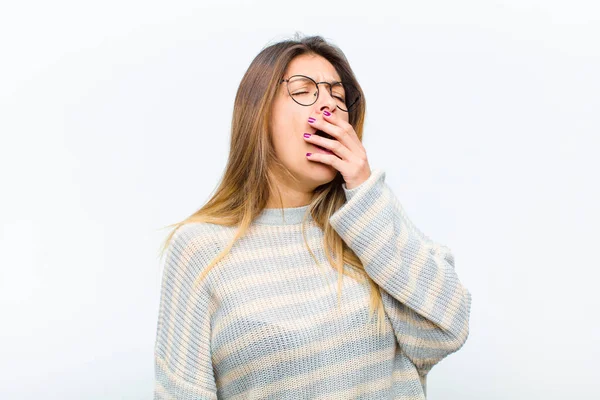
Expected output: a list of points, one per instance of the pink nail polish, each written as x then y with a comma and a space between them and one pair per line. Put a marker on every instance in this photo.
311, 120
308, 154
307, 135
327, 113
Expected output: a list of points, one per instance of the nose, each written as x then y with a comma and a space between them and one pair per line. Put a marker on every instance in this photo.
325, 100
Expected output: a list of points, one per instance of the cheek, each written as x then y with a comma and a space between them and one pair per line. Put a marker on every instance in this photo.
289, 122
292, 124
287, 135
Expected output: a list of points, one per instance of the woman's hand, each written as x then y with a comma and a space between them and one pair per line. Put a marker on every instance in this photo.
350, 157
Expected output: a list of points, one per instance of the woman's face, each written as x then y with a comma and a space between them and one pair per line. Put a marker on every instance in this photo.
289, 122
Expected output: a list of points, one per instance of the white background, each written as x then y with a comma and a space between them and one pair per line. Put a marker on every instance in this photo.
114, 122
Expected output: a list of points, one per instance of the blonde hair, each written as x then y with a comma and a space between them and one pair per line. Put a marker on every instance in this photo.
245, 186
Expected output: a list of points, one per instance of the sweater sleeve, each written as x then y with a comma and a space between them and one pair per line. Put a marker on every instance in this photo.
426, 303
182, 355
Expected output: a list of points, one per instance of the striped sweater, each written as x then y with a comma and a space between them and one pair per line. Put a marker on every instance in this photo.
265, 322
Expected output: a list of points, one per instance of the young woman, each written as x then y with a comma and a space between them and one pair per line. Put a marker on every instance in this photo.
302, 277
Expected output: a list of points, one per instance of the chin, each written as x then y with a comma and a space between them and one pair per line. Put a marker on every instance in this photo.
321, 173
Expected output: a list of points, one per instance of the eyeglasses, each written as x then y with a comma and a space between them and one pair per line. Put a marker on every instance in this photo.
305, 91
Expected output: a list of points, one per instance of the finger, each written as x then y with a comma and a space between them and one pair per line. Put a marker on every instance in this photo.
328, 159
333, 145
336, 119
334, 130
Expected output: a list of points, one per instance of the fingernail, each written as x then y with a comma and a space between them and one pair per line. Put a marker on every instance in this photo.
307, 135
308, 154
311, 120
327, 113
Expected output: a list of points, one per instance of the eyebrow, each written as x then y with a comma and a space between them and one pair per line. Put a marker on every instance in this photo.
330, 81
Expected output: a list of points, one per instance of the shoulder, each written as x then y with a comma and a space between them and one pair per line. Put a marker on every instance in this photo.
192, 247
195, 236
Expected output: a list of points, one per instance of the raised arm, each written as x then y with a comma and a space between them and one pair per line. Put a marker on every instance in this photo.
423, 297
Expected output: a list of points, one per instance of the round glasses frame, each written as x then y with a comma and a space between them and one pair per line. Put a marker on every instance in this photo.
350, 107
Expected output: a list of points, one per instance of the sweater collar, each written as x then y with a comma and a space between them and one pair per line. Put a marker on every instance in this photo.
283, 216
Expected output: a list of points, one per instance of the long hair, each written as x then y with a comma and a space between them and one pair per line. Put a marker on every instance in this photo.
246, 184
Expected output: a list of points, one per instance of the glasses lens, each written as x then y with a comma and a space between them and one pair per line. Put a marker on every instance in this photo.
346, 95
351, 97
303, 90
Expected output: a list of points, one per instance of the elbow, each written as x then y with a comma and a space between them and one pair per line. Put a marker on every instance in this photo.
461, 335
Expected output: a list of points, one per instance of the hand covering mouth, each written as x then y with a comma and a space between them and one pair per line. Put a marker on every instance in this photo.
323, 134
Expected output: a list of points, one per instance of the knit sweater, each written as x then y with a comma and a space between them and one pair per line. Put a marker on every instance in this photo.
265, 323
